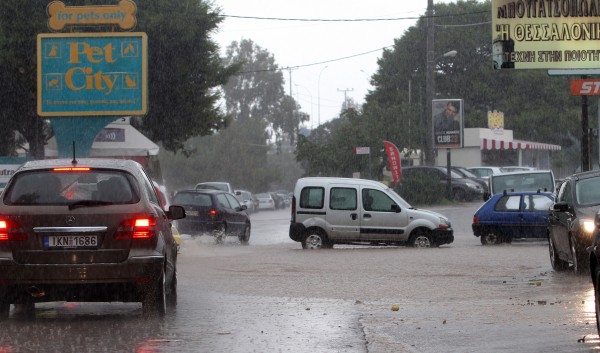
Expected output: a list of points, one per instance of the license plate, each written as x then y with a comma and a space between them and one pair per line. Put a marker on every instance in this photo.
71, 242
191, 213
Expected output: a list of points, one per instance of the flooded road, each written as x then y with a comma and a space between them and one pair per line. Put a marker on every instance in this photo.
272, 296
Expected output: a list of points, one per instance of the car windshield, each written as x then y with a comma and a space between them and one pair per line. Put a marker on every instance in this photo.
48, 187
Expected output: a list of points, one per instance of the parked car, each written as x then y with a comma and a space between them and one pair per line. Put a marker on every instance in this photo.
213, 212
265, 201
88, 230
215, 185
517, 168
483, 182
594, 261
512, 215
571, 221
328, 211
245, 198
485, 171
462, 189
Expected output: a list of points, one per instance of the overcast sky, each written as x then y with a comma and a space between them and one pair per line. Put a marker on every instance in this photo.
324, 77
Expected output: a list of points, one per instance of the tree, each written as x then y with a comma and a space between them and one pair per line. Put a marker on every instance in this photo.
184, 70
20, 22
256, 91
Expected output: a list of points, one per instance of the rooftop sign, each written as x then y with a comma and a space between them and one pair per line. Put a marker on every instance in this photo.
546, 34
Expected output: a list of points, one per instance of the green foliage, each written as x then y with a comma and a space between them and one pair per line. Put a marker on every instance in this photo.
426, 190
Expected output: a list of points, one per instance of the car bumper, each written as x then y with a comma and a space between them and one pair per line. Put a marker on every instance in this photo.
126, 281
443, 236
296, 231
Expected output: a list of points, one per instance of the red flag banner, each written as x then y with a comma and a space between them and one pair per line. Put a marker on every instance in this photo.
393, 156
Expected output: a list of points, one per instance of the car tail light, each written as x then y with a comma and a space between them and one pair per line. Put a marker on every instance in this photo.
138, 228
11, 230
475, 219
72, 169
293, 209
213, 214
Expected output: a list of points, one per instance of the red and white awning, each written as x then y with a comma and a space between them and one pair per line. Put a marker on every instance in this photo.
492, 144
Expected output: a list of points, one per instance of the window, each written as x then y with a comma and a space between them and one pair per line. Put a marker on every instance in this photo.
223, 201
375, 200
536, 203
235, 204
588, 192
509, 203
343, 199
312, 197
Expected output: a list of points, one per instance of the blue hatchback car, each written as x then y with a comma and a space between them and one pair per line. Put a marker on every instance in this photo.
513, 215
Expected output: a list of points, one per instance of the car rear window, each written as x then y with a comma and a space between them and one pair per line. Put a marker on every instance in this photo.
193, 199
49, 187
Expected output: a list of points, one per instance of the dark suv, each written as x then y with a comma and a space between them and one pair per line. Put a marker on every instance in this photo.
91, 230
463, 189
571, 221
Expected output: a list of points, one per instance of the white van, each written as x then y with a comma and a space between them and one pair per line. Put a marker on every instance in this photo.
328, 211
533, 180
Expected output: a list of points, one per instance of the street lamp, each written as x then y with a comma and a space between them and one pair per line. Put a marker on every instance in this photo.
319, 95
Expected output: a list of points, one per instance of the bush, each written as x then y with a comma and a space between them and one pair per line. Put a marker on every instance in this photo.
424, 190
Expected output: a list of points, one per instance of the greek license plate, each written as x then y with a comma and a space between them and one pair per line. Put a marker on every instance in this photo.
71, 242
191, 213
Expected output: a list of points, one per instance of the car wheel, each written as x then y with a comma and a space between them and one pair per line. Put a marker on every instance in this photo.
490, 237
458, 195
155, 300
172, 295
555, 261
4, 309
315, 239
245, 237
421, 239
220, 233
577, 256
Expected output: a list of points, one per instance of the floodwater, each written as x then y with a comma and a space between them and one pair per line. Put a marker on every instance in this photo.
272, 296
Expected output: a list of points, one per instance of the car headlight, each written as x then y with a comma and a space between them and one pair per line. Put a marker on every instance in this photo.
587, 225
444, 223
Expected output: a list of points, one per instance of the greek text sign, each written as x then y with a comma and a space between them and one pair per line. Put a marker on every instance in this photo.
546, 34
83, 74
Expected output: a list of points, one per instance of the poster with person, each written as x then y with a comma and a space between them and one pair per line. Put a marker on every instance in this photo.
447, 123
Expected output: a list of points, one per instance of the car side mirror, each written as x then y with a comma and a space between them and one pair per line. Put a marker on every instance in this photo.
561, 206
396, 208
176, 212
243, 207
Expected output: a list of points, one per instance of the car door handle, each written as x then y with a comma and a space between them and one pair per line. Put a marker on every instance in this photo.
353, 216
367, 215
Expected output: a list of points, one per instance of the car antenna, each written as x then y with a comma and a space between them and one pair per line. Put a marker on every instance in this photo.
74, 161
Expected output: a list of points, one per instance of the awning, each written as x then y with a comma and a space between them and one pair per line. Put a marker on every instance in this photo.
493, 144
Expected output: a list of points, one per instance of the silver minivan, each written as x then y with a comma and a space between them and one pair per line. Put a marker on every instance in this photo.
328, 211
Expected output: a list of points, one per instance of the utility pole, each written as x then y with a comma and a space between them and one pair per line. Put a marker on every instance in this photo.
346, 93
290, 71
430, 87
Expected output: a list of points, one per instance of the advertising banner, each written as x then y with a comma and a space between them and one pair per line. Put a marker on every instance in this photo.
81, 74
447, 123
393, 156
546, 34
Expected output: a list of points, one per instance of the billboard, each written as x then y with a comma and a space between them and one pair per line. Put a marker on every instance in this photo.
92, 74
554, 34
447, 123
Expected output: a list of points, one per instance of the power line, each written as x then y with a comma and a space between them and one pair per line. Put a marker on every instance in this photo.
314, 64
352, 19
